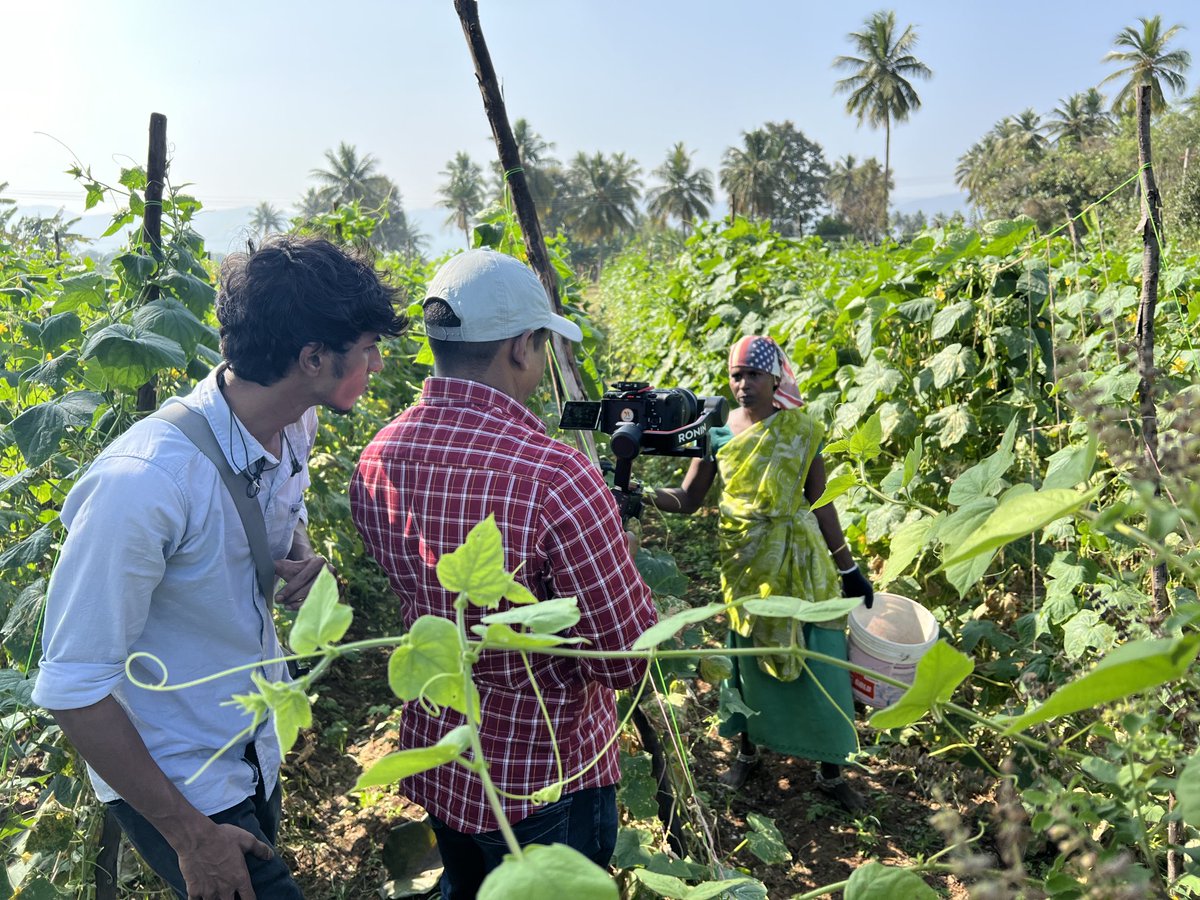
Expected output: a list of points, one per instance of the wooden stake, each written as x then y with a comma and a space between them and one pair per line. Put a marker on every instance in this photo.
510, 162
1152, 229
156, 176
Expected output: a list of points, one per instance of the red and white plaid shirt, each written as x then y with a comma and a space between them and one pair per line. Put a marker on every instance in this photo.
462, 452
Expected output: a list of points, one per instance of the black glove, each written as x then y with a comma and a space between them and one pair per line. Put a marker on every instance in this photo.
855, 584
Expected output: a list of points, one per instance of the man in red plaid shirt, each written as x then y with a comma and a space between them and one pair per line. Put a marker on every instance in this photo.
467, 449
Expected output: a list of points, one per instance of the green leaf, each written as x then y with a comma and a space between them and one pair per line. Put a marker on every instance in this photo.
875, 881
503, 637
29, 551
1004, 236
38, 888
1086, 630
952, 423
637, 790
22, 625
134, 178
119, 221
633, 844
38, 431
939, 672
1071, 466
16, 693
549, 872
949, 364
1187, 791
428, 663
671, 887
715, 669
1130, 669
732, 703
952, 318
985, 479
137, 267
800, 609
171, 319
765, 841
53, 372
196, 295
477, 567
290, 706
1017, 516
546, 617
877, 378
834, 488
127, 359
660, 572
912, 462
907, 543
404, 763
82, 290
667, 628
59, 329
322, 620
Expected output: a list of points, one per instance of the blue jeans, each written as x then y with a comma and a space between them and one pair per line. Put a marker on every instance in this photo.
584, 820
258, 815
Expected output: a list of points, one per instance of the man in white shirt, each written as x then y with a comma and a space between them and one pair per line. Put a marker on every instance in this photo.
156, 561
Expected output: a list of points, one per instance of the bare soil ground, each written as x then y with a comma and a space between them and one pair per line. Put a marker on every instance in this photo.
333, 840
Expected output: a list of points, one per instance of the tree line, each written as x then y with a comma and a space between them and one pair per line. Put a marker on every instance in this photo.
1048, 168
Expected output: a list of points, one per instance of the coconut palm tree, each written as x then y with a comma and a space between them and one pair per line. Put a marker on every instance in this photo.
840, 183
351, 177
267, 219
311, 204
462, 193
1023, 133
605, 193
880, 86
8, 207
749, 175
1144, 59
1080, 117
538, 165
684, 193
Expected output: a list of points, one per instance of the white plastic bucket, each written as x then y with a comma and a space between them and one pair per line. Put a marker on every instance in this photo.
888, 638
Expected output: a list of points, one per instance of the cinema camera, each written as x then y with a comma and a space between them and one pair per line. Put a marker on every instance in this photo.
640, 419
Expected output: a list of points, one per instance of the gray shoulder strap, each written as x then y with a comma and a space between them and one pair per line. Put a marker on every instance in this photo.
196, 429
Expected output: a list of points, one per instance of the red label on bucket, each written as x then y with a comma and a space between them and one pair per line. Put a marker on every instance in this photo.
863, 685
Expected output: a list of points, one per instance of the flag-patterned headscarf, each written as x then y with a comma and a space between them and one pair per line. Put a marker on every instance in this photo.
758, 352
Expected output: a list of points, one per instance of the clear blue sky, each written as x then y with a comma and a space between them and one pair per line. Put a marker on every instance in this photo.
255, 91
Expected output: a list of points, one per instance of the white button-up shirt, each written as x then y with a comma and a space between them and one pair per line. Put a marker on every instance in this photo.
156, 560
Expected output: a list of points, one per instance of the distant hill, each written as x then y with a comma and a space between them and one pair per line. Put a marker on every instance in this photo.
226, 230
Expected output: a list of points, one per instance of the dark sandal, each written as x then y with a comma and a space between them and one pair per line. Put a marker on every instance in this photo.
736, 776
839, 789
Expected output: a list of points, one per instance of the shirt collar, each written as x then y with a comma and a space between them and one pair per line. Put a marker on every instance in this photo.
240, 447
440, 391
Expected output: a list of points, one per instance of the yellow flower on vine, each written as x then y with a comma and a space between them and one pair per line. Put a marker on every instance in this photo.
1179, 365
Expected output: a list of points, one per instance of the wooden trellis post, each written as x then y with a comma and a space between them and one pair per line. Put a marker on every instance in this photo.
156, 176
510, 162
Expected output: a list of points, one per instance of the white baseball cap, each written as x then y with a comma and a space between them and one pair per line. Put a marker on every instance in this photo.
495, 297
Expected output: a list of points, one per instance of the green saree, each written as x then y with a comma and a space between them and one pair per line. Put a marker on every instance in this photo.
770, 537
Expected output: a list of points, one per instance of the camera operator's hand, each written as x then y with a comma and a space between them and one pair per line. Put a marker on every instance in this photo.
855, 584
633, 536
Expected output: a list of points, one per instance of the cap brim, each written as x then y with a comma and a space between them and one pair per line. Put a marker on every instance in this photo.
565, 327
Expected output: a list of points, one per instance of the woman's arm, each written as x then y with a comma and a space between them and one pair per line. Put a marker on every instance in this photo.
827, 517
690, 496
854, 583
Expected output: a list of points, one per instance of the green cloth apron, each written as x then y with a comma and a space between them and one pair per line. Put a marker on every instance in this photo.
771, 543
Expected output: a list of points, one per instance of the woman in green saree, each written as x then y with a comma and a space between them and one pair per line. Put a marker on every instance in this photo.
769, 459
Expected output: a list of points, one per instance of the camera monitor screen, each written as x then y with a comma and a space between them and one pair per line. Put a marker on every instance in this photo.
580, 415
